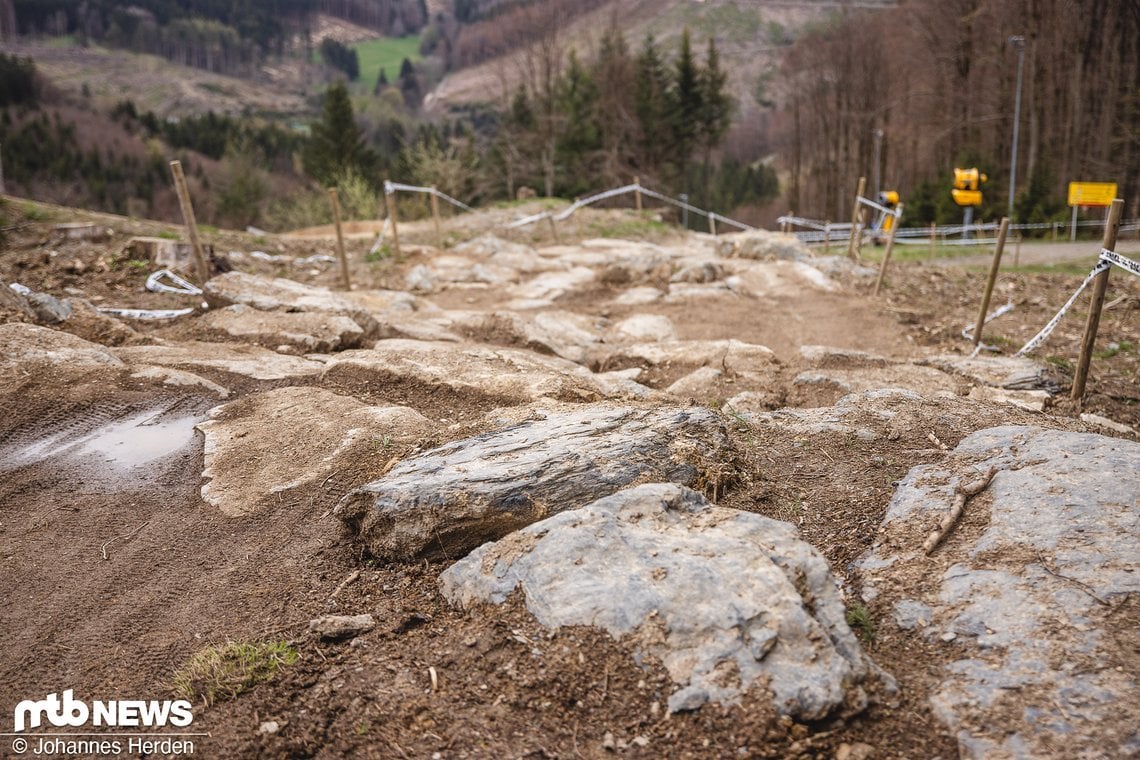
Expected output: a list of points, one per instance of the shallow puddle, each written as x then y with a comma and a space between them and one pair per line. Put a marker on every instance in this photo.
121, 443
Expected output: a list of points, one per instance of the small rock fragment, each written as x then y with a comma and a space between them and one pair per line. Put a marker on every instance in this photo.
341, 626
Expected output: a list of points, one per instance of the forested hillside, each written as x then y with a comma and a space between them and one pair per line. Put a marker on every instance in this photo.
227, 36
751, 108
939, 78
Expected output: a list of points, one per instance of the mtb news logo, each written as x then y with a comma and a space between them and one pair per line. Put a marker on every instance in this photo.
74, 713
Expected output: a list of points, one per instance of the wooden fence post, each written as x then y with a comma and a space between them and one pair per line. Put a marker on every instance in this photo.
637, 192
553, 228
1100, 284
827, 237
933, 238
994, 267
183, 191
435, 218
887, 253
855, 231
390, 201
712, 223
334, 200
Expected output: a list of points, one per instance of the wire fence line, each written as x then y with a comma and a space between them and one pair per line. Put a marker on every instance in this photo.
818, 231
636, 187
815, 230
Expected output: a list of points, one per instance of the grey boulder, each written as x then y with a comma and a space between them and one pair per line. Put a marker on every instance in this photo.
723, 599
447, 501
1028, 597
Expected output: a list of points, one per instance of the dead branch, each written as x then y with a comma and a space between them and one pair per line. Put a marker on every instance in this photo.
961, 493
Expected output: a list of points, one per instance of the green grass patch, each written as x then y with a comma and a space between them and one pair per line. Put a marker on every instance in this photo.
861, 622
35, 213
385, 53
380, 254
1114, 349
1060, 362
633, 228
168, 235
225, 671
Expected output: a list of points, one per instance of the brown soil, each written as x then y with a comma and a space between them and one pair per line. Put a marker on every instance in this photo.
114, 578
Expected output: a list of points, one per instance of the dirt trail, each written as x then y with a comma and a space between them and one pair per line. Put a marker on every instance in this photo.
114, 573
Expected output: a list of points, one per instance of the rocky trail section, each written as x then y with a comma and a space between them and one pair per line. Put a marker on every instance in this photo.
1031, 598
300, 453
722, 598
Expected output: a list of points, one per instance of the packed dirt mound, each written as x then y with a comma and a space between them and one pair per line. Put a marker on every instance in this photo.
283, 451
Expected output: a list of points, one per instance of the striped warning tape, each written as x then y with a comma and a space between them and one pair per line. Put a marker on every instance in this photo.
1047, 330
1125, 263
391, 187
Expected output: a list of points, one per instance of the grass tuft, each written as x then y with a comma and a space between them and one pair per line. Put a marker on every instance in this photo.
861, 622
225, 671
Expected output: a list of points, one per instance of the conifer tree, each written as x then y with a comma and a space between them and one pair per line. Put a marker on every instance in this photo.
651, 105
685, 104
336, 146
580, 141
715, 110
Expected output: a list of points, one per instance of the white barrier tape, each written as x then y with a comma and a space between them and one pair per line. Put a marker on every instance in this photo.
452, 201
322, 258
732, 222
528, 220
391, 187
868, 202
181, 287
673, 201
1125, 263
809, 223
380, 238
968, 333
594, 199
147, 313
263, 256
1047, 330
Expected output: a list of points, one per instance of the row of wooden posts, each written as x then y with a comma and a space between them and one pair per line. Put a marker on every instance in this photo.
1100, 283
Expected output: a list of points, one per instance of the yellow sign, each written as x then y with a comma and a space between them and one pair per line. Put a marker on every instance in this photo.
967, 197
1091, 193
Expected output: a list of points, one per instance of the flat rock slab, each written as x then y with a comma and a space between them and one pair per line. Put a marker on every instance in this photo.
724, 599
443, 270
778, 278
280, 294
561, 333
27, 351
543, 289
764, 245
265, 444
1024, 597
1008, 372
309, 332
447, 501
638, 328
251, 361
507, 374
728, 355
